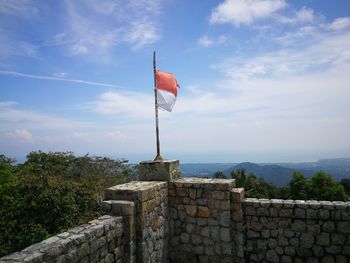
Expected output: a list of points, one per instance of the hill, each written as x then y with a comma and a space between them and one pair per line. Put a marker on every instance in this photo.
275, 173
272, 173
203, 169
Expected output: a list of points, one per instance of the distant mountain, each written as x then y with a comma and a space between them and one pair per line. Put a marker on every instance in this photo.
339, 168
272, 173
275, 173
203, 169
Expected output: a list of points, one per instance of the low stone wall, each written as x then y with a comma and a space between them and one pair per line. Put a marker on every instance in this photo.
296, 231
98, 241
200, 220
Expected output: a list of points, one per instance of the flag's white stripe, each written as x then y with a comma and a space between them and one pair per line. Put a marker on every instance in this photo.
165, 99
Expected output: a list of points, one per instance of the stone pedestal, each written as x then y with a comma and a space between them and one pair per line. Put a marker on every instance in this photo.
165, 170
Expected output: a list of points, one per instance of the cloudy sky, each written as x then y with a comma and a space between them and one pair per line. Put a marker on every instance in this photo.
261, 80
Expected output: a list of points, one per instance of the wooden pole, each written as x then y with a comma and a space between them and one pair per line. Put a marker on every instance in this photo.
158, 157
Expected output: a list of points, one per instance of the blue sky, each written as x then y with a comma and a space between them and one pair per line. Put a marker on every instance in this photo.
263, 81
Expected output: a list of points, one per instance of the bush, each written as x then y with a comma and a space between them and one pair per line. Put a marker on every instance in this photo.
50, 193
320, 187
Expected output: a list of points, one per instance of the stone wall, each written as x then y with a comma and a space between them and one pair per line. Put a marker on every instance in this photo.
98, 241
296, 231
200, 220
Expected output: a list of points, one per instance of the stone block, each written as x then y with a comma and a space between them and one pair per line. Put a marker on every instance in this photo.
166, 170
307, 240
299, 213
333, 249
249, 210
225, 234
202, 211
323, 239
196, 239
193, 194
225, 205
286, 212
318, 251
262, 211
191, 210
337, 239
344, 227
271, 256
328, 226
218, 195
182, 192
237, 215
122, 207
237, 195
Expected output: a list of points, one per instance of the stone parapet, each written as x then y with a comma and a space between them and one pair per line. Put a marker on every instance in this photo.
296, 230
126, 209
238, 226
200, 220
98, 241
148, 203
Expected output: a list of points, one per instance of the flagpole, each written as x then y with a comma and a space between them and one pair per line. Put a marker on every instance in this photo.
158, 157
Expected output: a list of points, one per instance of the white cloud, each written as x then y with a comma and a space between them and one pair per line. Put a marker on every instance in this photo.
195, 89
124, 104
12, 118
340, 23
21, 8
304, 15
325, 51
141, 34
96, 27
116, 136
10, 46
21, 135
7, 104
238, 12
207, 41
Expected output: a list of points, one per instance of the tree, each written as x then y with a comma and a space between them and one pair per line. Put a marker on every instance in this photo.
240, 177
323, 187
6, 162
346, 185
299, 186
219, 175
254, 187
50, 193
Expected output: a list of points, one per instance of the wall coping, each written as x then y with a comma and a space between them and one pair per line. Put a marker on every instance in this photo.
194, 182
298, 203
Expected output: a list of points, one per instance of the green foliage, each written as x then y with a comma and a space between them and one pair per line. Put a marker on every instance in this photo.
5, 162
346, 185
50, 193
299, 187
323, 187
219, 175
320, 187
254, 187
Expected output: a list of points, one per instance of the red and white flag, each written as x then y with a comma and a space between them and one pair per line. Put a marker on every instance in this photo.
166, 86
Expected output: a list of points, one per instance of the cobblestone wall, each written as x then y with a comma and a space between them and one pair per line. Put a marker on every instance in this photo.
296, 231
200, 220
98, 241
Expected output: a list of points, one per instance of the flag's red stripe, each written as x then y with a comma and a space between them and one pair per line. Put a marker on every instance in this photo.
166, 81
